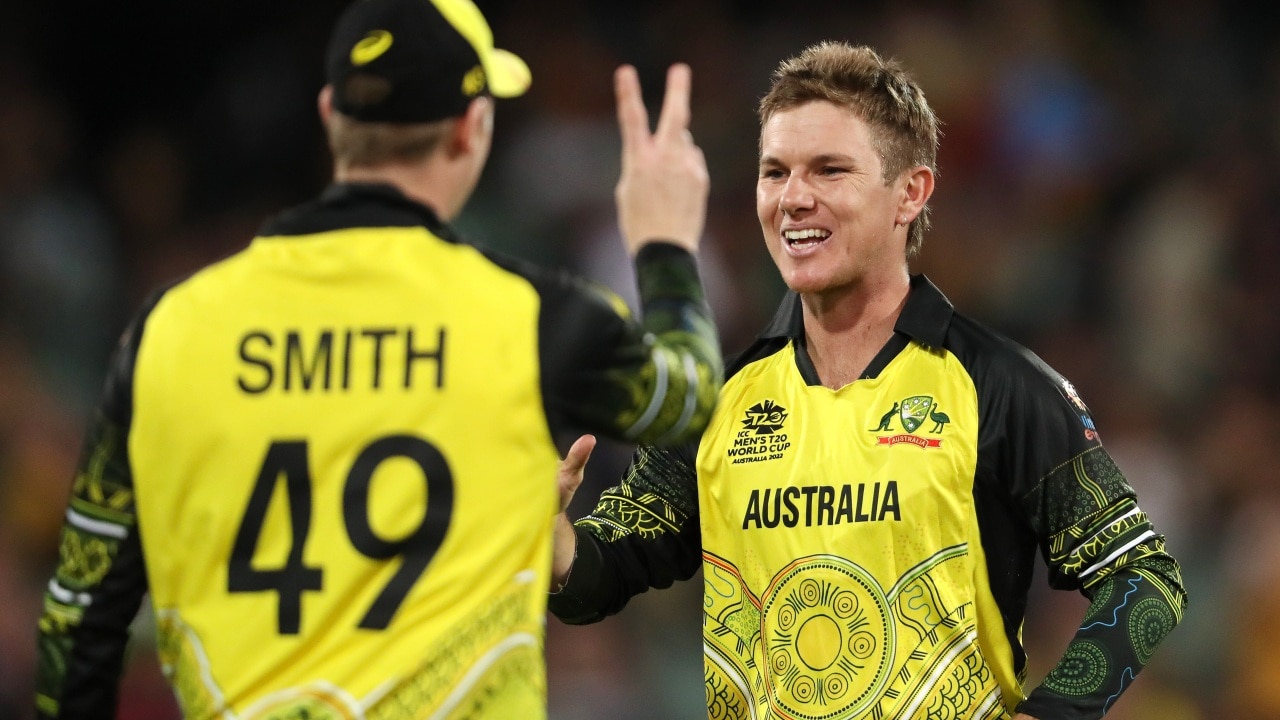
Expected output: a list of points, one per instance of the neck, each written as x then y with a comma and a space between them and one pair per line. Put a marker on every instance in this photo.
429, 183
845, 330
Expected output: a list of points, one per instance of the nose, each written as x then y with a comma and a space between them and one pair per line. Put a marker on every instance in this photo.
797, 196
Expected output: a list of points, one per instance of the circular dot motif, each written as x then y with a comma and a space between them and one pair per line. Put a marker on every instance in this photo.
810, 592
828, 638
1149, 622
1101, 597
1081, 671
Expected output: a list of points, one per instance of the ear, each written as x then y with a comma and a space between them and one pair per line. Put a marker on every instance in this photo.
917, 187
325, 104
473, 130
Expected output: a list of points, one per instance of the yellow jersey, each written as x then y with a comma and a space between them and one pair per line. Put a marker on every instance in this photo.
330, 460
867, 551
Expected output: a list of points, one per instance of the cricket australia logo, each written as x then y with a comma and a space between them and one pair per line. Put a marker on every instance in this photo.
912, 413
761, 437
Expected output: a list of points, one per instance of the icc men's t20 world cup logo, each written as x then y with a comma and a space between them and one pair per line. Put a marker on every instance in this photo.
763, 434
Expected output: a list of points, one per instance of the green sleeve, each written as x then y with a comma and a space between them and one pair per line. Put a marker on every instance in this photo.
96, 589
100, 579
1105, 545
686, 347
649, 381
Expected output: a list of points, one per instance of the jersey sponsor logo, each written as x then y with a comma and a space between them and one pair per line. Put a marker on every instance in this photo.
912, 413
761, 437
339, 359
1082, 410
818, 505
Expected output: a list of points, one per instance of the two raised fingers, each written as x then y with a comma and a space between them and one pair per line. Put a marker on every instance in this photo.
674, 120
633, 118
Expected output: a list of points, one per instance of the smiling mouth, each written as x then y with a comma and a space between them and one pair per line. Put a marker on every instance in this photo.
807, 237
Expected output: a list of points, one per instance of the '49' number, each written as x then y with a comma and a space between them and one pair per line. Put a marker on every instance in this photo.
288, 458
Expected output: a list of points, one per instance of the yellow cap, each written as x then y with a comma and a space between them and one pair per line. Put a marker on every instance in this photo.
508, 75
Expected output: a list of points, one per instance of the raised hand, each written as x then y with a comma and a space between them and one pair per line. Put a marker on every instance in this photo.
662, 191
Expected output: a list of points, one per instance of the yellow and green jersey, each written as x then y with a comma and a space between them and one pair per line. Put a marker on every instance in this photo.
867, 551
330, 461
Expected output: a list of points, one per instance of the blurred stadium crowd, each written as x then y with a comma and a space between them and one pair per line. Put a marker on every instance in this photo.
1107, 196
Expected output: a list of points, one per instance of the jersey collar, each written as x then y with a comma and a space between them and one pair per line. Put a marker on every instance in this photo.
925, 317
347, 205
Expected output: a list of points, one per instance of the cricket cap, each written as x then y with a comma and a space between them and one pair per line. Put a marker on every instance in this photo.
414, 61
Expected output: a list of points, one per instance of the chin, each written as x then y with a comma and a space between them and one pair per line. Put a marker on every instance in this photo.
804, 283
815, 284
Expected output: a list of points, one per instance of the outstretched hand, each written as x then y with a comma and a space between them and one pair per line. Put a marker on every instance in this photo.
569, 474
662, 191
568, 477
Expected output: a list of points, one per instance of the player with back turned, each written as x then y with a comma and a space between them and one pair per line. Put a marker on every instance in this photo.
329, 459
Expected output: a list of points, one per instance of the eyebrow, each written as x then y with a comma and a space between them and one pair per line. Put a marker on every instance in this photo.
824, 159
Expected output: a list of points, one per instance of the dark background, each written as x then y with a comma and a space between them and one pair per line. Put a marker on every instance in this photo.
1107, 196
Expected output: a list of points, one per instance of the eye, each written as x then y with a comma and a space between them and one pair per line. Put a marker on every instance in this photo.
771, 173
832, 170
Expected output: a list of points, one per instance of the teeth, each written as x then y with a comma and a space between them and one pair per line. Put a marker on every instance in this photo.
805, 234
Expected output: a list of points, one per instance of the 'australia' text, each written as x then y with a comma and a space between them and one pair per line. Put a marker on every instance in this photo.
813, 505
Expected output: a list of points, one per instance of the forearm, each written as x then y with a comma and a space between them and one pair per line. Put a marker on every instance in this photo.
587, 591
687, 346
79, 666
1131, 613
644, 533
673, 300
96, 589
605, 575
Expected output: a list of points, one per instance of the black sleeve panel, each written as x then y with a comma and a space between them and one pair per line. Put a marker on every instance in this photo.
652, 382
100, 579
117, 390
1030, 421
1045, 481
97, 588
644, 533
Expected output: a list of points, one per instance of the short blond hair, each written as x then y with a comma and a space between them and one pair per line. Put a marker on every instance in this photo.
877, 90
370, 144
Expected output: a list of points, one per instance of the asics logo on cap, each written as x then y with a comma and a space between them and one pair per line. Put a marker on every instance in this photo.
370, 47
473, 82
